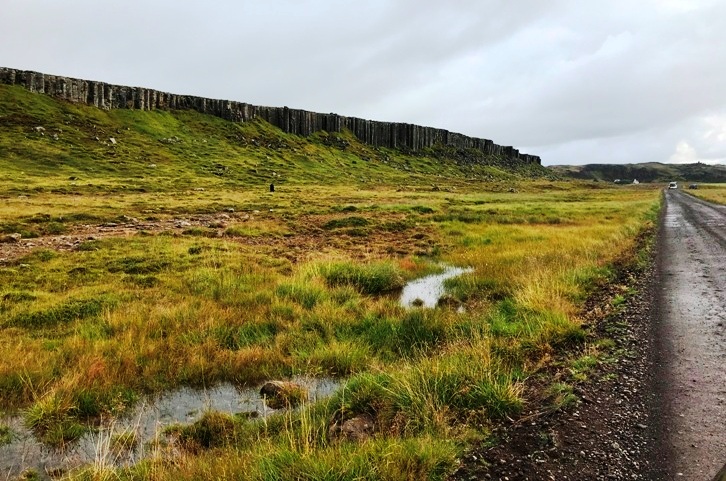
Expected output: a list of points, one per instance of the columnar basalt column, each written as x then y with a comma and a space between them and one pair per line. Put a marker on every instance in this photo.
293, 121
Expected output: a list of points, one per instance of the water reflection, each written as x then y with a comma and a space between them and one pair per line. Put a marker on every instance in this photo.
427, 291
147, 422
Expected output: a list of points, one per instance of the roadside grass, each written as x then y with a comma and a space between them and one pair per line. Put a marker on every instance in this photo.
300, 281
710, 192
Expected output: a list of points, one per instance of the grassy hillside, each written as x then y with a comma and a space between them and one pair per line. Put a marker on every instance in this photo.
48, 145
646, 172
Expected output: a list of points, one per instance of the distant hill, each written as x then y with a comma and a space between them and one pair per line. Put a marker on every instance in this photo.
647, 172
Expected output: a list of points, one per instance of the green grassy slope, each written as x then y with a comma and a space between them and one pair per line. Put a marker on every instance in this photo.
52, 145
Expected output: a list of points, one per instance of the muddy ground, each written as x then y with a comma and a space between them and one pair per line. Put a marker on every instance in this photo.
306, 238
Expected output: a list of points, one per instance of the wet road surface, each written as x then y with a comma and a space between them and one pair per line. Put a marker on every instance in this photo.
692, 326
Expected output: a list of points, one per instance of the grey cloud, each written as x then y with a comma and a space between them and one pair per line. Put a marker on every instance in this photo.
572, 81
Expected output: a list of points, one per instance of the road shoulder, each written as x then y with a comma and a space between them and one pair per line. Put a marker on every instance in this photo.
611, 432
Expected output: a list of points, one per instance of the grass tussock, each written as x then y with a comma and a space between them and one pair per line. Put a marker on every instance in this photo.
214, 429
6, 435
371, 279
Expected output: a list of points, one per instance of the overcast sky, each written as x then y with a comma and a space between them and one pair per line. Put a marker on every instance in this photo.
575, 82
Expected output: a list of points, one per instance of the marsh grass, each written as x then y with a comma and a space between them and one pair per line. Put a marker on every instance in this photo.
371, 279
195, 310
302, 281
6, 435
51, 419
124, 441
213, 429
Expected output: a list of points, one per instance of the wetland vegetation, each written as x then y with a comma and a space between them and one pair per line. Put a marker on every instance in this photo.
160, 259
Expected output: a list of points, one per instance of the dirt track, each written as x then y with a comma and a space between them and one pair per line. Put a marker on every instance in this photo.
691, 326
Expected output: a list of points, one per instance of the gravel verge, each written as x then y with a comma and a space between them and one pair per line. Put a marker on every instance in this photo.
612, 430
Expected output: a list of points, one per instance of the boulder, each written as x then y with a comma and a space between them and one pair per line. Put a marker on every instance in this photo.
11, 238
356, 429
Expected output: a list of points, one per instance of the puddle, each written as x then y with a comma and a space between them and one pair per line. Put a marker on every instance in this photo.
147, 420
427, 291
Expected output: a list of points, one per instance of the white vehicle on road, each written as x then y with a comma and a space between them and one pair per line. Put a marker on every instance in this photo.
673, 185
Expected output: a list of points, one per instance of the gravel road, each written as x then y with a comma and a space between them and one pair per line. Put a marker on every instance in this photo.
691, 327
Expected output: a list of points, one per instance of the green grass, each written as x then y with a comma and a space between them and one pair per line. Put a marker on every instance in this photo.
6, 435
368, 279
562, 396
214, 429
300, 281
123, 441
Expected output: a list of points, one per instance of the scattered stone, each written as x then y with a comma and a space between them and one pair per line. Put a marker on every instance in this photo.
229, 209
39, 129
112, 140
359, 428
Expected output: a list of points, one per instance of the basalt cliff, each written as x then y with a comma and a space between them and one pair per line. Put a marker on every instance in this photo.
394, 135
